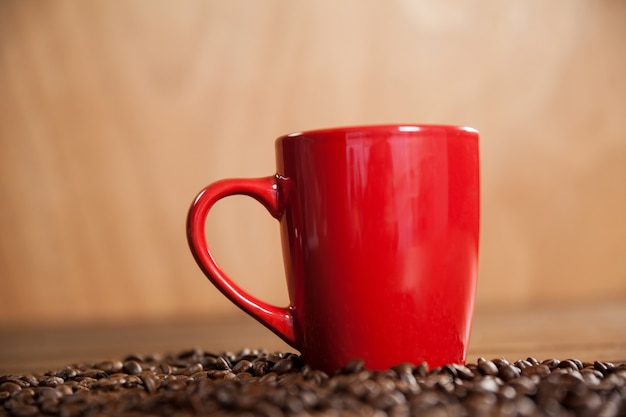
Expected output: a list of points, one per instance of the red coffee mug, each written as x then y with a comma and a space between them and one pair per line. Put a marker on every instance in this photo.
379, 228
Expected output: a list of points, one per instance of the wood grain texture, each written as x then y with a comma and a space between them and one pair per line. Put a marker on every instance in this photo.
587, 332
114, 114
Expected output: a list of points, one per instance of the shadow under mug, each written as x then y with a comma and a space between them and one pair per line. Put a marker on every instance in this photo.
379, 228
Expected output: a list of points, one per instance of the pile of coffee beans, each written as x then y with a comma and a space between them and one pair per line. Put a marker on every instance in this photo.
274, 384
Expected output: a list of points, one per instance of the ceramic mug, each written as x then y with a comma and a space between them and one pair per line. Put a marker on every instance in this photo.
379, 229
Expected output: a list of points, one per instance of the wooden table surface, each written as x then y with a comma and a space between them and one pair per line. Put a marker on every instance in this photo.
587, 332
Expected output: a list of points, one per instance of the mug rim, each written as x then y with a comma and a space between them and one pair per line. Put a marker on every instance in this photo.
378, 128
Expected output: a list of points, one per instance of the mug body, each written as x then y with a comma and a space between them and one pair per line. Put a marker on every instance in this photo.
380, 242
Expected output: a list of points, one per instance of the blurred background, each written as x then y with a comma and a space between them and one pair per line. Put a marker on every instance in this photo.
113, 115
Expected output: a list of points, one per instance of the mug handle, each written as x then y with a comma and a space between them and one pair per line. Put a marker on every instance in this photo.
267, 191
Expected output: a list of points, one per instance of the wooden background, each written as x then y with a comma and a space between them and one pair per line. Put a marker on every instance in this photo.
114, 114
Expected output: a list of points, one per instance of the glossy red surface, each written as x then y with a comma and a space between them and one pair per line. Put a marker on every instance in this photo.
379, 227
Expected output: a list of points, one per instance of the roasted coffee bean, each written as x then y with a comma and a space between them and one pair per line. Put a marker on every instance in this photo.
532, 361
15, 379
599, 366
451, 370
68, 388
259, 367
164, 368
47, 392
463, 372
25, 396
92, 373
353, 366
10, 387
199, 375
499, 362
110, 367
51, 381
31, 380
243, 376
508, 372
66, 373
523, 385
551, 363
108, 383
283, 366
255, 382
538, 370
243, 365
569, 364
521, 364
192, 369
270, 377
404, 372
421, 370
221, 363
487, 367
132, 367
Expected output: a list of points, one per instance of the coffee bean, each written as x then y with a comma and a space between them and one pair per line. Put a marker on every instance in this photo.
110, 367
192, 369
10, 387
406, 376
221, 363
269, 378
353, 366
130, 381
499, 362
551, 363
421, 370
164, 368
283, 366
65, 389
463, 372
132, 367
24, 396
14, 379
108, 383
51, 381
538, 370
569, 364
508, 372
532, 361
523, 385
451, 370
242, 366
259, 367
66, 373
487, 368
92, 373
47, 392
578, 363
599, 366
255, 382
31, 380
